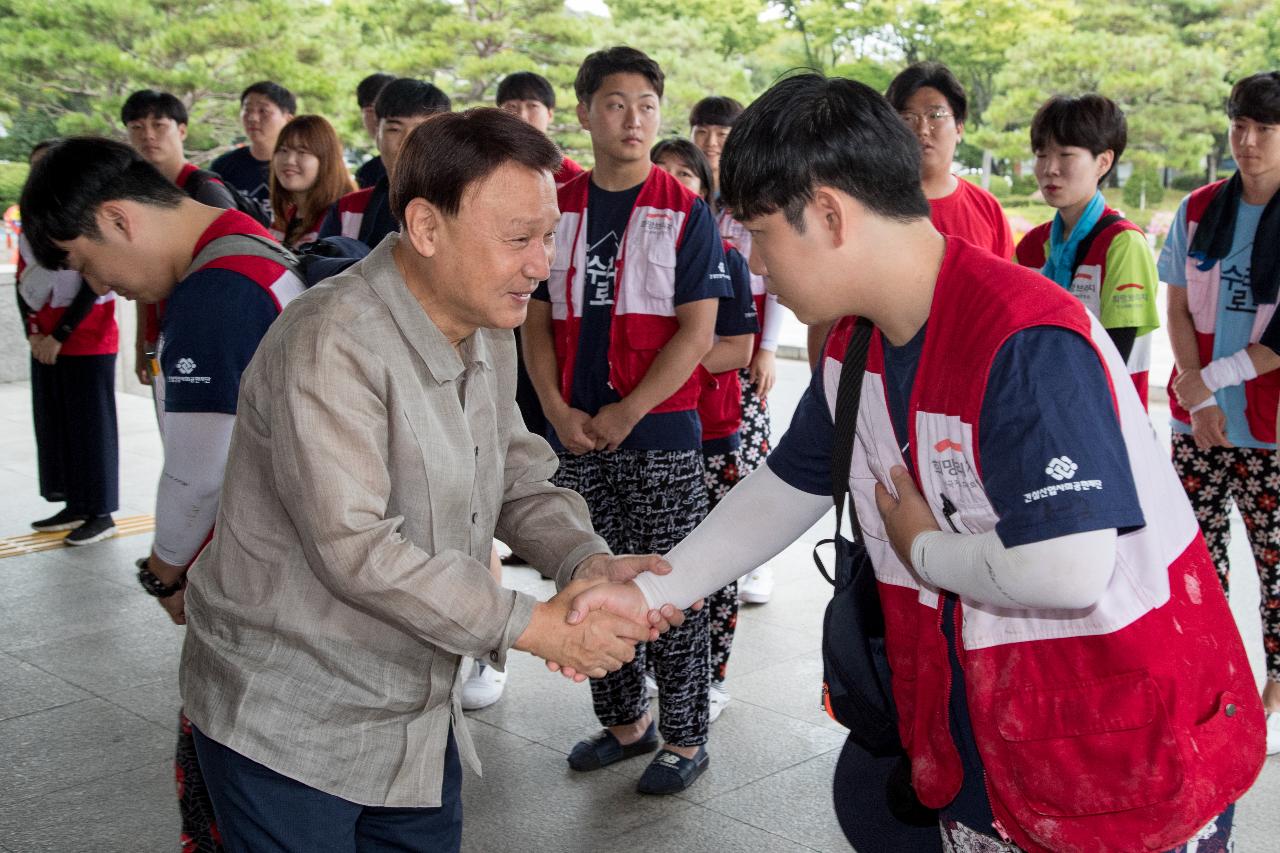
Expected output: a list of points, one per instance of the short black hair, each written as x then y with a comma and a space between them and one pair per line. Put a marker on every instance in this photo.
1090, 121
691, 155
148, 103
935, 75
1257, 97
73, 179
808, 130
367, 89
40, 147
615, 60
526, 86
444, 156
715, 110
406, 97
273, 92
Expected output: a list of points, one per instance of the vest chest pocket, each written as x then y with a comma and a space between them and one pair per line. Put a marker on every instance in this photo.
659, 260
1089, 748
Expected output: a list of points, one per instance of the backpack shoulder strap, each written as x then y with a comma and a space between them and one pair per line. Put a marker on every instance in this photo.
1082, 250
245, 244
848, 397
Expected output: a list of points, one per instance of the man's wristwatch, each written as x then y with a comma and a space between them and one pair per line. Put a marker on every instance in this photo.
152, 584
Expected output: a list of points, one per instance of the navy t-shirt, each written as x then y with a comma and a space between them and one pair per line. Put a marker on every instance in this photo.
212, 325
246, 173
370, 173
1034, 411
700, 274
378, 221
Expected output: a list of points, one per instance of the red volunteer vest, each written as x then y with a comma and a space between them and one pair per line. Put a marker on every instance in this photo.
97, 333
720, 407
1261, 395
644, 310
1087, 285
1126, 726
736, 235
351, 210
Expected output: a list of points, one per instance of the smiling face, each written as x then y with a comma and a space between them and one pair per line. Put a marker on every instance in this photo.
158, 139
295, 167
262, 119
928, 114
623, 118
1255, 146
1068, 175
529, 110
710, 139
488, 259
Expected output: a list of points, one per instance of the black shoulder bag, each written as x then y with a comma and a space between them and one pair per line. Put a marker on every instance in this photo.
856, 686
857, 691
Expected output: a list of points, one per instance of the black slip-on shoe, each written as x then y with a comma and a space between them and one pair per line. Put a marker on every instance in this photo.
93, 530
671, 773
603, 749
64, 519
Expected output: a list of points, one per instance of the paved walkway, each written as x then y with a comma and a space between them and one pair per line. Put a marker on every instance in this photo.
88, 701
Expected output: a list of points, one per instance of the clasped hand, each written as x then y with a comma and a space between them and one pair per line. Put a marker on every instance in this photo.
592, 626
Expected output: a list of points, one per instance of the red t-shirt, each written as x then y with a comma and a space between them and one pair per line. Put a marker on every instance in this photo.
973, 214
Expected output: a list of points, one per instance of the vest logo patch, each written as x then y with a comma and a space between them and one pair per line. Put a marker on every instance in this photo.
1061, 468
657, 223
954, 472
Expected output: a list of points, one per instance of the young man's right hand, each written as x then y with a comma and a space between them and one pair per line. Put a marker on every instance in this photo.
142, 365
1209, 428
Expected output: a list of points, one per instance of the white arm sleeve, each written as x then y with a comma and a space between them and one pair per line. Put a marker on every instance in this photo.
1067, 573
771, 323
753, 523
195, 457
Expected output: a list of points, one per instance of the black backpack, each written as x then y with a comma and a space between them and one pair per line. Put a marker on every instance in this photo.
246, 205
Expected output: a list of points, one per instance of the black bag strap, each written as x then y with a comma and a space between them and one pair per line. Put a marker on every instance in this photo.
1083, 248
848, 397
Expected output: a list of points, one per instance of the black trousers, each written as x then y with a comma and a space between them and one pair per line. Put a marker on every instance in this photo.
73, 406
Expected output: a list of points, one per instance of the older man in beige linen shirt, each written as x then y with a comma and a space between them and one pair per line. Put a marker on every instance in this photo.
377, 452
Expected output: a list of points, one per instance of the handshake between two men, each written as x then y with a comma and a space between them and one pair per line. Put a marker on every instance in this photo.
591, 627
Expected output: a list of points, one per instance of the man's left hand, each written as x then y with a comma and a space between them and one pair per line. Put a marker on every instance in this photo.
621, 568
611, 425
906, 517
168, 573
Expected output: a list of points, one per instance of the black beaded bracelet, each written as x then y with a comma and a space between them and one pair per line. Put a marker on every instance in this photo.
152, 585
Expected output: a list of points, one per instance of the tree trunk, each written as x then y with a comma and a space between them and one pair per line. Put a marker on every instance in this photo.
987, 162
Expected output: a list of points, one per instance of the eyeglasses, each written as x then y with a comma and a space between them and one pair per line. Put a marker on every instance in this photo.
935, 118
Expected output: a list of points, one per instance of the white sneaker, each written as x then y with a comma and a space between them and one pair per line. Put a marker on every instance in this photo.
650, 686
757, 587
719, 699
1273, 732
483, 687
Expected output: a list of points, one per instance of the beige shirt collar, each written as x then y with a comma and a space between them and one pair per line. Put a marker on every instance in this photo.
441, 358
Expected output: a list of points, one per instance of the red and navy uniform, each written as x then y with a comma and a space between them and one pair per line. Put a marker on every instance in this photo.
214, 319
624, 261
363, 215
1004, 712
73, 400
720, 407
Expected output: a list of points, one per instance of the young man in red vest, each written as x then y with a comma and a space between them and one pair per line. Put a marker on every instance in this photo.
96, 207
612, 344
1222, 263
1052, 616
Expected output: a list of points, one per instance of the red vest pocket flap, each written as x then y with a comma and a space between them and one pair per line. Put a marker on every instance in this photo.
1119, 703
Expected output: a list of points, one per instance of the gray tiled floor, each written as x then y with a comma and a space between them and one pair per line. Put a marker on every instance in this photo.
88, 697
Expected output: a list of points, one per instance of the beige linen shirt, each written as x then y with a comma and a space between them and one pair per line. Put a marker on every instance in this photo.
370, 467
